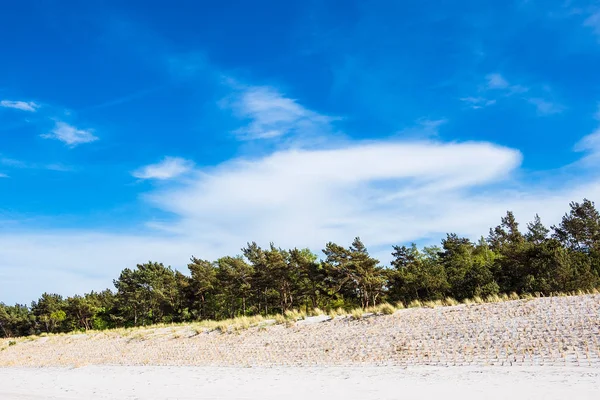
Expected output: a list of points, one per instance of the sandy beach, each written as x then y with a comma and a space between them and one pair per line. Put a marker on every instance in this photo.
544, 348
315, 383
552, 331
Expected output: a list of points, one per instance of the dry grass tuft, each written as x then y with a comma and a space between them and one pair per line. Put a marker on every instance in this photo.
449, 302
387, 309
433, 303
493, 298
316, 312
415, 304
295, 315
357, 313
338, 312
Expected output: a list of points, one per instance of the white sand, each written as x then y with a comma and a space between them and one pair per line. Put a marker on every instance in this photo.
187, 383
551, 331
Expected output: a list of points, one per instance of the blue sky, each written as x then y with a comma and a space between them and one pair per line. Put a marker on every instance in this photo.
138, 130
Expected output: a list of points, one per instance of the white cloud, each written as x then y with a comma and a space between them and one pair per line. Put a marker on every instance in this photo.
20, 105
590, 146
593, 22
432, 125
386, 191
168, 168
590, 142
3, 175
300, 195
70, 135
272, 115
496, 81
545, 107
478, 102
11, 162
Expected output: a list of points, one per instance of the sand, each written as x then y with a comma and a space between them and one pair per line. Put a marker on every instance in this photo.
290, 383
545, 348
556, 331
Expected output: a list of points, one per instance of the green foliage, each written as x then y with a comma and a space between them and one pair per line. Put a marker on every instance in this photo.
579, 230
148, 294
235, 277
287, 285
16, 321
353, 274
202, 286
49, 312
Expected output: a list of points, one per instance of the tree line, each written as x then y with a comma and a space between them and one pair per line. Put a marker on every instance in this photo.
273, 280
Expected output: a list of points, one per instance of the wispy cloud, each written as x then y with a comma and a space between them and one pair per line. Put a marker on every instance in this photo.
591, 143
18, 164
496, 81
11, 162
58, 167
497, 87
478, 102
424, 128
20, 105
272, 115
168, 168
545, 107
123, 99
593, 22
366, 179
70, 135
3, 175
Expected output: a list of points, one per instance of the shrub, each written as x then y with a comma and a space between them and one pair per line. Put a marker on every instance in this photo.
222, 327
387, 309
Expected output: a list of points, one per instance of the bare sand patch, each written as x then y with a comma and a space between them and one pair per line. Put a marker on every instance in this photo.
315, 383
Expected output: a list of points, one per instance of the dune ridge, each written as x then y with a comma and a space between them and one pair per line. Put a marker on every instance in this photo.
550, 331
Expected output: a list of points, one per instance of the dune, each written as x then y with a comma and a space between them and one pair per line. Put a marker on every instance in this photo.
551, 331
535, 348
